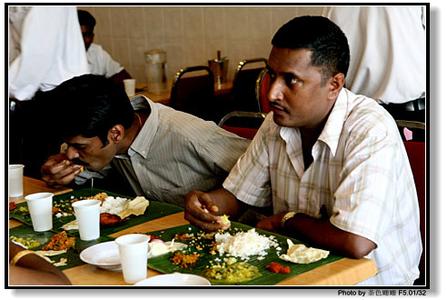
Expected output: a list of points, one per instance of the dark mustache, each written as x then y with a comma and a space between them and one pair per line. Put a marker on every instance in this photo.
77, 161
274, 104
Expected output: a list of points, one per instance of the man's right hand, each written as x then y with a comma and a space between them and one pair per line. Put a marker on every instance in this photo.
201, 211
59, 170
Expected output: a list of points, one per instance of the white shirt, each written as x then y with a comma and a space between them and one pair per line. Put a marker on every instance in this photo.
101, 63
360, 173
388, 50
52, 51
16, 18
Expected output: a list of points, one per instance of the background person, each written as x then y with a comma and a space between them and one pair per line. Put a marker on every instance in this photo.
388, 55
45, 49
331, 163
99, 61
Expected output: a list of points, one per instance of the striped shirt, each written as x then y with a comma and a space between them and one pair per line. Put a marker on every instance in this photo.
175, 153
360, 173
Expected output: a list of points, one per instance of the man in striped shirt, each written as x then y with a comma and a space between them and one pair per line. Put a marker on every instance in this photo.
162, 153
330, 163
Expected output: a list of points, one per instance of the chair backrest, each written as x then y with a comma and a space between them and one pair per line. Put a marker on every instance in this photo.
245, 132
244, 84
242, 123
262, 88
416, 156
411, 130
193, 91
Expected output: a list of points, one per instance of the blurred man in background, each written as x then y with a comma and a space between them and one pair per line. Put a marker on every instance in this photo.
388, 55
99, 61
45, 49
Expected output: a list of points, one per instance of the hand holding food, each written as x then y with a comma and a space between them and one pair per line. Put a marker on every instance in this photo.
59, 170
201, 211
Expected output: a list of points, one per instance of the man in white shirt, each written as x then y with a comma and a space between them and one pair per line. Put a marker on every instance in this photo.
388, 55
99, 61
330, 163
35, 66
45, 49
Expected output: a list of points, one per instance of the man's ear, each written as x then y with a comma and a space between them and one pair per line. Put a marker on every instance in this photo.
335, 85
116, 133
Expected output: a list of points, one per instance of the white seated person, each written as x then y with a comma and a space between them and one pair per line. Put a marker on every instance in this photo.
99, 61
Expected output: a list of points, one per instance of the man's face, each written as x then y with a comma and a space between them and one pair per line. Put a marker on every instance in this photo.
296, 95
90, 151
87, 35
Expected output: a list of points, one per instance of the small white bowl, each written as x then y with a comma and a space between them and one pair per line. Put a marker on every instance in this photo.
104, 255
174, 279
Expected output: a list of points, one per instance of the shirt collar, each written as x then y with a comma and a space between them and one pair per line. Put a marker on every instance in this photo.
331, 132
145, 137
334, 124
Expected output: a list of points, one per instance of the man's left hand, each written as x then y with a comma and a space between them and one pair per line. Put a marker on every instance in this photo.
272, 223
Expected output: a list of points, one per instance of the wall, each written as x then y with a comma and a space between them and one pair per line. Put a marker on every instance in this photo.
189, 34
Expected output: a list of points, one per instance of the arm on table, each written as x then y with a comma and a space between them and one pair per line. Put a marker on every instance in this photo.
322, 233
204, 209
326, 235
31, 269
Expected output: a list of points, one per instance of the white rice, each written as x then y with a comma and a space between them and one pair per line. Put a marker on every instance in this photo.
113, 205
244, 244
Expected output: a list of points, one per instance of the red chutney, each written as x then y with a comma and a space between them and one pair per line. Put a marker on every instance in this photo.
275, 267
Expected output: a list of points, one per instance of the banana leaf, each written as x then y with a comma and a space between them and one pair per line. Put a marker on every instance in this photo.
163, 263
155, 210
42, 238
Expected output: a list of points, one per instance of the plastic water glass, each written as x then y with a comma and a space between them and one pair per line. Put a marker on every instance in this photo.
129, 87
40, 208
87, 214
133, 250
16, 181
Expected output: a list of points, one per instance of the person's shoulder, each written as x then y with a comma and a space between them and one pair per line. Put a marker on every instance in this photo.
269, 127
180, 122
367, 116
96, 49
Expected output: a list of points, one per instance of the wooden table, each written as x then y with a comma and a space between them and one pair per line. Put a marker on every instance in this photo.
32, 185
165, 95
341, 272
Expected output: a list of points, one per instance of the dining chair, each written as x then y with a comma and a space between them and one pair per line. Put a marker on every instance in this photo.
244, 84
262, 88
242, 123
412, 130
416, 155
193, 91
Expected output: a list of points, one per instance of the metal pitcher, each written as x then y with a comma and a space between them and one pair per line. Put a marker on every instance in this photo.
219, 66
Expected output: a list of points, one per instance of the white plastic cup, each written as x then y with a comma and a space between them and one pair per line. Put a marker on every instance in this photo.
16, 181
87, 214
129, 86
133, 250
40, 208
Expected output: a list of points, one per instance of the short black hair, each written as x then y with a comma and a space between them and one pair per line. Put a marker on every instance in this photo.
86, 19
326, 41
89, 105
